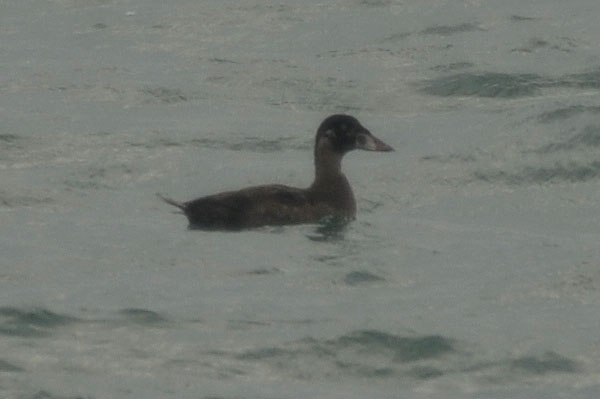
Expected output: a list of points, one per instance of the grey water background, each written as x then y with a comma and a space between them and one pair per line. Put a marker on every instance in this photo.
472, 270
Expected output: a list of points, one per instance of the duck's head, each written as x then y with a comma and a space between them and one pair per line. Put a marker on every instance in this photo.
343, 133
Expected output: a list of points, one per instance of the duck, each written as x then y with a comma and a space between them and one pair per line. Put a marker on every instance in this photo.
329, 196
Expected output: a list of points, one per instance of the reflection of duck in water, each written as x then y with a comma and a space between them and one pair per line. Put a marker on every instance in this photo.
330, 195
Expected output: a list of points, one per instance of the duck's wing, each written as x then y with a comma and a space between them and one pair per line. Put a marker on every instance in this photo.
224, 211
280, 205
253, 207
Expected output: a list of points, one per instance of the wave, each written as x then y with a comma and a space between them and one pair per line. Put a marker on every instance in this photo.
572, 172
505, 85
143, 317
381, 355
34, 323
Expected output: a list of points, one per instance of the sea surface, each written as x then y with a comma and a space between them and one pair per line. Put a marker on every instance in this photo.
471, 271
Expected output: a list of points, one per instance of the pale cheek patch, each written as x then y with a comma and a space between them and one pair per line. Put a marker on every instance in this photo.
324, 144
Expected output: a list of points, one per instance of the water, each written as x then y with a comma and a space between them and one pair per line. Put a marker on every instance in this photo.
471, 271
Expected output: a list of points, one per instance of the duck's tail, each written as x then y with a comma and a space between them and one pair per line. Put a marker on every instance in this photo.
170, 201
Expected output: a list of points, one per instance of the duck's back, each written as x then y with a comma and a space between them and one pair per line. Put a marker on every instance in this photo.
257, 206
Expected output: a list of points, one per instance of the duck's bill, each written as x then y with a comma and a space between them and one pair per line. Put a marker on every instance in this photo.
372, 143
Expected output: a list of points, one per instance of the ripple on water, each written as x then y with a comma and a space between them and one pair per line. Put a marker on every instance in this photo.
377, 354
571, 159
9, 139
163, 95
9, 367
12, 201
589, 137
549, 362
485, 84
572, 172
376, 3
106, 177
401, 349
316, 94
250, 144
143, 317
330, 229
264, 271
584, 80
446, 30
454, 66
245, 144
521, 18
33, 323
566, 113
48, 395
361, 277
505, 85
366, 353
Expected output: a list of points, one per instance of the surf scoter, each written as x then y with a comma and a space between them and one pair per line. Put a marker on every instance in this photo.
330, 195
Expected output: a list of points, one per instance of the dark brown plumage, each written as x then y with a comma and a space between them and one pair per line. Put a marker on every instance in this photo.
330, 195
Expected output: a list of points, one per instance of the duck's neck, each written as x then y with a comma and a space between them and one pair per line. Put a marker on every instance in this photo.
328, 164
330, 184
328, 168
